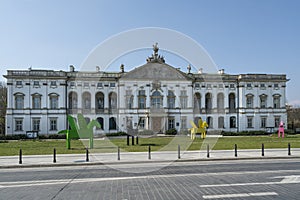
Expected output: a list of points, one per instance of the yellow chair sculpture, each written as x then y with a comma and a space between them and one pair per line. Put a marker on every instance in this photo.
201, 128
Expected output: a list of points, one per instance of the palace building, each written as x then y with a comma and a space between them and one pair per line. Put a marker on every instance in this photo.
153, 97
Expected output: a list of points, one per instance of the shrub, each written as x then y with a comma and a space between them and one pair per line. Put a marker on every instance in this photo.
171, 131
116, 134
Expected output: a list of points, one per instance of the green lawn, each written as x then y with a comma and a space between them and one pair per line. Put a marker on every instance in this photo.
39, 147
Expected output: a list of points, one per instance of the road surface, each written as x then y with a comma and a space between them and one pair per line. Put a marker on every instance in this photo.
236, 179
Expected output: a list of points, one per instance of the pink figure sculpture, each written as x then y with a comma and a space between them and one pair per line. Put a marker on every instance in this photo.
281, 130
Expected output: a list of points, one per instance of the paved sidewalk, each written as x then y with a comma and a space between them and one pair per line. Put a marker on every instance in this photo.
138, 157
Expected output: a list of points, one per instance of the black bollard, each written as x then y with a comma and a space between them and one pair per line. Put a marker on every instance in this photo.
262, 149
87, 155
20, 156
127, 140
54, 155
118, 153
137, 139
178, 151
235, 150
289, 149
208, 150
149, 152
132, 140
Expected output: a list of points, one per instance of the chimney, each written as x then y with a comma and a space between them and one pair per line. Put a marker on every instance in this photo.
97, 69
221, 71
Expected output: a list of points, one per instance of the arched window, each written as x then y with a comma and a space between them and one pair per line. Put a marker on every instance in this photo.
112, 123
73, 100
36, 101
232, 122
19, 100
171, 99
156, 100
276, 101
210, 122
86, 100
99, 101
53, 99
249, 101
87, 120
113, 100
220, 101
231, 102
101, 122
208, 102
197, 102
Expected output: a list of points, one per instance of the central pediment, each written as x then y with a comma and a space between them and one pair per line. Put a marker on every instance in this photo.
156, 71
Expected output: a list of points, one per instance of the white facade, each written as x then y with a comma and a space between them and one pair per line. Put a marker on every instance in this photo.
154, 97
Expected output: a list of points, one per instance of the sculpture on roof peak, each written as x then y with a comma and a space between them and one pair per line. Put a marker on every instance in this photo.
155, 57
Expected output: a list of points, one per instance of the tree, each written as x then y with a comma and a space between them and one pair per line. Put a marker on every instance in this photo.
3, 106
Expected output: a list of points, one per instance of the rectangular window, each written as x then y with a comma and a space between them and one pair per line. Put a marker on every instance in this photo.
19, 101
99, 85
249, 85
249, 122
208, 86
86, 84
263, 122
262, 86
142, 123
53, 83
36, 102
171, 123
36, 124
19, 124
221, 85
112, 85
36, 83
183, 102
142, 104
53, 124
276, 85
197, 85
53, 102
72, 84
231, 85
19, 83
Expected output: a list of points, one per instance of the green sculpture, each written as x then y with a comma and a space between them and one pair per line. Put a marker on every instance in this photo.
81, 130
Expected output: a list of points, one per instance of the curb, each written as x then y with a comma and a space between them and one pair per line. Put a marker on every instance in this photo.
141, 162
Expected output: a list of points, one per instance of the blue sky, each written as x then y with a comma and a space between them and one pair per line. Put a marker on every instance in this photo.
242, 36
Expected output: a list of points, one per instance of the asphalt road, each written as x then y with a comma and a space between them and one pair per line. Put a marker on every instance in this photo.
238, 179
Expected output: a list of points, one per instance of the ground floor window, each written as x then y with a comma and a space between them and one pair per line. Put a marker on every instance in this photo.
53, 124
36, 124
19, 124
112, 123
263, 122
142, 123
249, 122
171, 123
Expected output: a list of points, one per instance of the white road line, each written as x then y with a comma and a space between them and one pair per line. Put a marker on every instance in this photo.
292, 179
221, 196
86, 180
